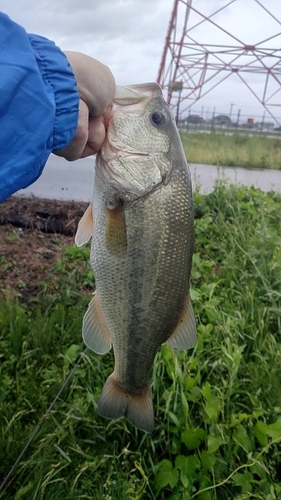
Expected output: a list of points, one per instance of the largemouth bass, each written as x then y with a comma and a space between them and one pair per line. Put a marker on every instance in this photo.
141, 225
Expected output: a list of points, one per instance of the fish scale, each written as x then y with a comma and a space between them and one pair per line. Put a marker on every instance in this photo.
141, 252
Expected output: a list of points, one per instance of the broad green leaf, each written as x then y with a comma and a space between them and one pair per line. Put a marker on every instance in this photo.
193, 463
243, 480
163, 474
214, 442
187, 467
259, 469
175, 444
190, 382
205, 329
184, 479
260, 431
195, 294
166, 475
194, 394
204, 481
71, 354
208, 460
192, 438
181, 464
206, 391
274, 430
173, 478
242, 438
212, 410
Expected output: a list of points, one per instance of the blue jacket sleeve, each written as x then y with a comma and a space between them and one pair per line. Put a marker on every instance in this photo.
38, 105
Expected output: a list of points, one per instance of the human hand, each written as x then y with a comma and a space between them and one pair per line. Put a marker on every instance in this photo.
96, 87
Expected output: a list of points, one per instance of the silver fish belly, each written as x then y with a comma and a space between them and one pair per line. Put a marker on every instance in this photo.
141, 255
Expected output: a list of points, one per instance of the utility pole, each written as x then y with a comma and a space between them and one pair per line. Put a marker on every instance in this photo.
230, 112
238, 117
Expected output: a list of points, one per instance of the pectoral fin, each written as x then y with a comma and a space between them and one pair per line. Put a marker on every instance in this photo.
115, 231
184, 336
85, 228
95, 331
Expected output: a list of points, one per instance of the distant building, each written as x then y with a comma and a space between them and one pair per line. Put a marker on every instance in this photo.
260, 125
249, 126
194, 120
221, 121
268, 125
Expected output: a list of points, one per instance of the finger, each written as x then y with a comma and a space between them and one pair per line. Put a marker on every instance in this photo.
95, 82
75, 148
96, 136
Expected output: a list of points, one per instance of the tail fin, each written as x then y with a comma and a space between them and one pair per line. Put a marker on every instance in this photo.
137, 408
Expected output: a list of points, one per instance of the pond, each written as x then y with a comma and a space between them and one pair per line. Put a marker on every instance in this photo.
62, 180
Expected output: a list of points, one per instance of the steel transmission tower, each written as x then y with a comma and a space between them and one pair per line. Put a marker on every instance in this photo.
190, 69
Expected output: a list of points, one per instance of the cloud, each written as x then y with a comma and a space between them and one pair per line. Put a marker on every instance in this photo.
129, 35
121, 19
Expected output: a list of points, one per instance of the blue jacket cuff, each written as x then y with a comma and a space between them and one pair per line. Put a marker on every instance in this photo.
57, 72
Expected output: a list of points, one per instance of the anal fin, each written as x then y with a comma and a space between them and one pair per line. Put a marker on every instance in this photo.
184, 335
115, 402
95, 331
85, 228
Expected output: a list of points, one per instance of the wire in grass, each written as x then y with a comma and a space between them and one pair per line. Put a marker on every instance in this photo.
45, 416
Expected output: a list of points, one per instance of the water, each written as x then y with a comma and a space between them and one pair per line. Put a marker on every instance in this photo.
66, 181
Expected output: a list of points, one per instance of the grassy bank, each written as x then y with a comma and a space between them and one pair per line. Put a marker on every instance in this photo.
235, 150
218, 407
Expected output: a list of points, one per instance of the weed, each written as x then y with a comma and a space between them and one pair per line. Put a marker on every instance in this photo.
236, 150
217, 408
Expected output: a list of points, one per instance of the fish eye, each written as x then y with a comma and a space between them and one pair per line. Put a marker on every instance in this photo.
158, 118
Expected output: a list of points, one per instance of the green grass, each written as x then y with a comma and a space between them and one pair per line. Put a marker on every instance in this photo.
235, 150
218, 407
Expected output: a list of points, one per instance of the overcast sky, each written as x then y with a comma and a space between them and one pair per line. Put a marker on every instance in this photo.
129, 36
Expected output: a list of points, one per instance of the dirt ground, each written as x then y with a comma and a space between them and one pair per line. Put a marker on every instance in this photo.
33, 234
